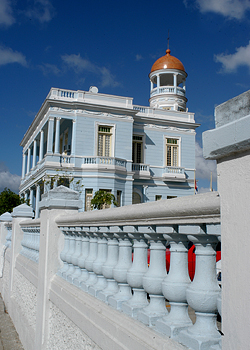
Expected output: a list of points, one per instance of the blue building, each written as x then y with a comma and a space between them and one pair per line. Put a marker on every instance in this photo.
89, 141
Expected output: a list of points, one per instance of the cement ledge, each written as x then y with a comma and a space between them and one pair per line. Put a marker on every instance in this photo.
227, 139
28, 268
108, 328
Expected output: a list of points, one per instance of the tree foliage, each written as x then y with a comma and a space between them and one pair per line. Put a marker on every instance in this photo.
8, 201
103, 199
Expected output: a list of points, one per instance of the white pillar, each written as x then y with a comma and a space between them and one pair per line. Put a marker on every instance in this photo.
57, 138
37, 200
136, 272
99, 262
158, 83
50, 135
120, 272
73, 137
151, 85
90, 260
152, 280
175, 83
24, 165
202, 295
28, 162
41, 145
81, 259
31, 198
174, 286
108, 266
34, 154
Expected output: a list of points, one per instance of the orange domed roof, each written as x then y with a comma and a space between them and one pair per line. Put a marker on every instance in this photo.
167, 62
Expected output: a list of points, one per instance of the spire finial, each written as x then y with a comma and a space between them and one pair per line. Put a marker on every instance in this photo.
168, 39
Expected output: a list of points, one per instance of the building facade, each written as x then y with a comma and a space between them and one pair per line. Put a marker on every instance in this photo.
88, 141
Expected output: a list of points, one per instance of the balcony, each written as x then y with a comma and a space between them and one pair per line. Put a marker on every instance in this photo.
140, 170
108, 163
168, 90
173, 173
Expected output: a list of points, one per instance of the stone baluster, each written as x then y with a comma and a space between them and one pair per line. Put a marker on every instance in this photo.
111, 262
81, 259
90, 260
36, 243
102, 250
64, 251
120, 271
9, 236
175, 284
136, 272
203, 291
152, 280
69, 254
24, 243
75, 256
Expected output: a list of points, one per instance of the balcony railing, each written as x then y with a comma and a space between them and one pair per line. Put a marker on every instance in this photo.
168, 90
105, 161
31, 240
97, 258
174, 172
140, 167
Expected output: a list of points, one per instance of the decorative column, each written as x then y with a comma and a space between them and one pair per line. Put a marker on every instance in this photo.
102, 250
57, 137
50, 135
73, 140
28, 162
136, 272
75, 271
111, 262
24, 165
90, 260
158, 83
32, 198
77, 280
152, 280
38, 189
175, 284
175, 83
203, 291
120, 272
34, 154
41, 145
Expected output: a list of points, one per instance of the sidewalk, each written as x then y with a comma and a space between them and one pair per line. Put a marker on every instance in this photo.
9, 339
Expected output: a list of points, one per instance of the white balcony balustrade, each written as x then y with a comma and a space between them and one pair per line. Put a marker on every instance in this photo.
30, 242
106, 239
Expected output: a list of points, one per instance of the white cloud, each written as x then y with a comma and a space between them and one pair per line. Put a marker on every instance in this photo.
231, 62
81, 65
204, 167
138, 57
6, 17
11, 181
42, 10
48, 68
7, 55
231, 9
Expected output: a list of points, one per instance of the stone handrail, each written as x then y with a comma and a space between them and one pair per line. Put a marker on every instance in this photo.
97, 258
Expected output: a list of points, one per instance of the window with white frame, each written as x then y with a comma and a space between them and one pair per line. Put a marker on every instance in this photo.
104, 141
88, 197
137, 150
172, 152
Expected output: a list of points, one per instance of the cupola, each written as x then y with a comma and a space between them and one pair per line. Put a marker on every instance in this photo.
168, 84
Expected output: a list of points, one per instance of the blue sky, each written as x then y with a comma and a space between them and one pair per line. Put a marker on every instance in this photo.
112, 45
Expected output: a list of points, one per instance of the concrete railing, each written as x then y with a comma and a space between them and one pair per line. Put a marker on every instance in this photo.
97, 259
31, 240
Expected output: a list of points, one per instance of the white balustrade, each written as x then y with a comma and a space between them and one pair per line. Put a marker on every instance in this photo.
175, 284
30, 243
93, 246
9, 236
107, 268
102, 249
77, 280
136, 272
153, 278
120, 271
99, 249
